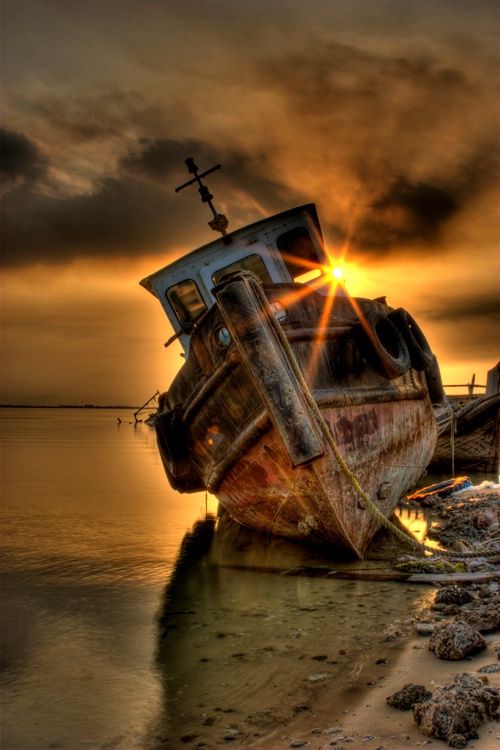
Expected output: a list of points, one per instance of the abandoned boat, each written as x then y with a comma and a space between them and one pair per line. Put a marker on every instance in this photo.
307, 412
469, 431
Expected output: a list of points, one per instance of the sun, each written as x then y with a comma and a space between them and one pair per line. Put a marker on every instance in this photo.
337, 272
345, 274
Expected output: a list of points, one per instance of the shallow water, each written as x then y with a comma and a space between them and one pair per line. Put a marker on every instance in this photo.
122, 629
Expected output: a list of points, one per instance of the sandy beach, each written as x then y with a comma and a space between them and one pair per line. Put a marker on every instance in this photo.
259, 650
316, 677
359, 717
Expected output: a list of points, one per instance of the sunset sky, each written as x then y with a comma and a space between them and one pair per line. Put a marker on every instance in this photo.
385, 113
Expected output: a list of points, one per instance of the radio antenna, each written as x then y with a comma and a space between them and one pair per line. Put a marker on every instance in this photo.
220, 222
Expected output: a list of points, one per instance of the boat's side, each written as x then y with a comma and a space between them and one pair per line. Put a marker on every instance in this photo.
237, 419
387, 444
471, 439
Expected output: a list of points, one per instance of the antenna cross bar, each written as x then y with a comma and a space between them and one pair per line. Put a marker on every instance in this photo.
219, 223
197, 178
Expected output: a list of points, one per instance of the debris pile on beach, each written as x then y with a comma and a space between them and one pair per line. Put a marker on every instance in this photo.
461, 613
457, 709
466, 520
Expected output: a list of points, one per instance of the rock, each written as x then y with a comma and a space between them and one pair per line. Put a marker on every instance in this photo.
489, 669
487, 517
232, 733
486, 619
425, 628
458, 740
301, 707
455, 640
297, 743
317, 677
189, 737
452, 595
408, 696
456, 710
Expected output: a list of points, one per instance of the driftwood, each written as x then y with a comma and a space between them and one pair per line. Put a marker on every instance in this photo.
373, 574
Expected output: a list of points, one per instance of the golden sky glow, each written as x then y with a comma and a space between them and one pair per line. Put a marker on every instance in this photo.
385, 114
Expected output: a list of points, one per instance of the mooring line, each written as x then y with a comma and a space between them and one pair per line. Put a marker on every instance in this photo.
370, 505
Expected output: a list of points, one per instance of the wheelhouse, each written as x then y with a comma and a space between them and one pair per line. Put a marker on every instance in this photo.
277, 250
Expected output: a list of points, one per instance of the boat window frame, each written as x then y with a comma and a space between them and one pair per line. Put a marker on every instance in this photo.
184, 323
293, 266
238, 267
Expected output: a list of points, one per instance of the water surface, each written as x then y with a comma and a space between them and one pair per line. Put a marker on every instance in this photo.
123, 629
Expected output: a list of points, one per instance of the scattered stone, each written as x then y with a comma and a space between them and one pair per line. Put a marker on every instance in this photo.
455, 640
232, 733
456, 710
189, 737
392, 634
489, 668
453, 595
318, 677
424, 628
298, 743
301, 707
408, 696
486, 619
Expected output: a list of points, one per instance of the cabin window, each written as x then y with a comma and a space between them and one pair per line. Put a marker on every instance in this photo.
253, 263
186, 301
298, 251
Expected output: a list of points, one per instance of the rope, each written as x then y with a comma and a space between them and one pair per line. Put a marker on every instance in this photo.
367, 501
453, 427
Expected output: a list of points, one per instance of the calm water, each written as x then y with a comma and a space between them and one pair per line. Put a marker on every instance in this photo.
90, 533
121, 629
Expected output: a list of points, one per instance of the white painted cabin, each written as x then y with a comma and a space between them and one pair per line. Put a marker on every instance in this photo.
278, 250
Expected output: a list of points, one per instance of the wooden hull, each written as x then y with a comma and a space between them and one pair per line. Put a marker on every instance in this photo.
387, 446
474, 444
237, 421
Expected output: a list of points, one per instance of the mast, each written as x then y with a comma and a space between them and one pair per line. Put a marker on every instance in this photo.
219, 223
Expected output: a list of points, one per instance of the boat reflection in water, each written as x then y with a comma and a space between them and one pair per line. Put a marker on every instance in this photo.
243, 648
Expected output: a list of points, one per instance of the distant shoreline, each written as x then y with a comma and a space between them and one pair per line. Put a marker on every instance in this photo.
65, 406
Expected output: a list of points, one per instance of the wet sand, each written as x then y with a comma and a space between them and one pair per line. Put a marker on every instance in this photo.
252, 658
365, 717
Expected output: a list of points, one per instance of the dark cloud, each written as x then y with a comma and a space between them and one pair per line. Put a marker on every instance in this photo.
161, 159
392, 147
84, 117
20, 159
135, 212
405, 213
455, 309
412, 137
467, 324
121, 217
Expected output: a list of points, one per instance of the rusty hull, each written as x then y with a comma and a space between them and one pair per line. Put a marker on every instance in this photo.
235, 421
387, 445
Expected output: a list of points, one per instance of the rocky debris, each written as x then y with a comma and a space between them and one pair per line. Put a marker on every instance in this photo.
457, 710
453, 595
437, 565
409, 696
425, 628
471, 515
485, 618
455, 640
232, 733
489, 668
317, 677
